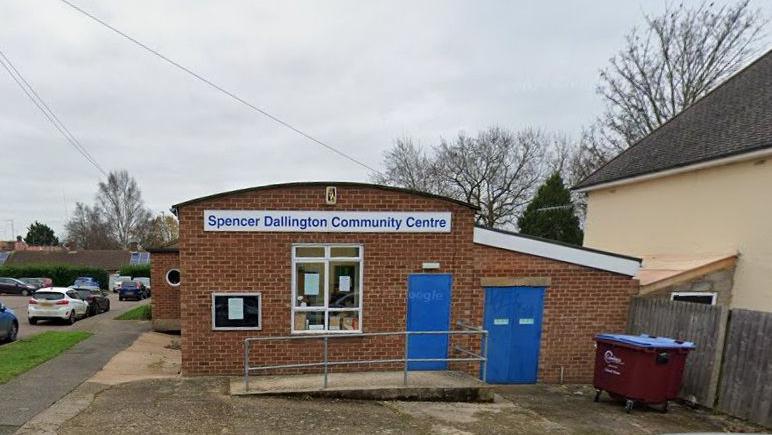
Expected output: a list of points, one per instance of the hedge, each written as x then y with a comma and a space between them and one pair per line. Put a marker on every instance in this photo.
63, 275
135, 270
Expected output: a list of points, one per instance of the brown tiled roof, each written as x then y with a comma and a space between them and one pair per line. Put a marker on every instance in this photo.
108, 259
735, 118
173, 246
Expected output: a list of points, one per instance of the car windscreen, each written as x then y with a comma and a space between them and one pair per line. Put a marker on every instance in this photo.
49, 296
129, 285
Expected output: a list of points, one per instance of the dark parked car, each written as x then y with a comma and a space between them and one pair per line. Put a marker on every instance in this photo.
9, 324
13, 285
97, 300
38, 282
132, 290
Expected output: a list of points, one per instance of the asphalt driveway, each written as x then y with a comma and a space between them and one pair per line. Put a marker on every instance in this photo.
203, 405
30, 393
19, 305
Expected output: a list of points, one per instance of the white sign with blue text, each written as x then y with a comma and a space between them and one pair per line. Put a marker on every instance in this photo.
327, 221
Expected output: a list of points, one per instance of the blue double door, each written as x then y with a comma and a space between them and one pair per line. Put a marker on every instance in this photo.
513, 318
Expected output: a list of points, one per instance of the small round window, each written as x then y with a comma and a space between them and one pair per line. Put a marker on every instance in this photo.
173, 277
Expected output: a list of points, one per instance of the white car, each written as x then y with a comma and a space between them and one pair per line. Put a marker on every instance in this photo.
56, 303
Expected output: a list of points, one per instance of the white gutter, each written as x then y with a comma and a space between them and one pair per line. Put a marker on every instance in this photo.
709, 164
582, 257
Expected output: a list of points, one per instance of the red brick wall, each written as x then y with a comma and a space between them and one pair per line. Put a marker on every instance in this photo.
579, 303
165, 302
252, 261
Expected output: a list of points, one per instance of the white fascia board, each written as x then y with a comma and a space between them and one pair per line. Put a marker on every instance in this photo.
595, 260
767, 152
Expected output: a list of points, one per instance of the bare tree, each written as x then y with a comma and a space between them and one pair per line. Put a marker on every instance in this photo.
681, 56
496, 170
408, 165
87, 229
164, 229
124, 210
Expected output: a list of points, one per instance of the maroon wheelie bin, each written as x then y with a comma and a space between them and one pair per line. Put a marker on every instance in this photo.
639, 368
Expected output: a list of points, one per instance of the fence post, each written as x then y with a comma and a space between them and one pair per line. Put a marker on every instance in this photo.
404, 373
325, 361
246, 365
485, 355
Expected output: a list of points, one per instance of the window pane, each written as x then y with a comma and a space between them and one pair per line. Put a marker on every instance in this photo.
344, 321
239, 311
344, 251
309, 282
309, 251
309, 320
344, 284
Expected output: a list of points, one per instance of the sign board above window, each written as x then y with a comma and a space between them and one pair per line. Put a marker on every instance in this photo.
327, 221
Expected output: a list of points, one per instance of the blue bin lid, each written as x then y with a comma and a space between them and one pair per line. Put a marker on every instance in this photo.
648, 341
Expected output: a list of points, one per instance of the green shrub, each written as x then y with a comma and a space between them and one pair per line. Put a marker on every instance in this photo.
142, 312
63, 275
135, 270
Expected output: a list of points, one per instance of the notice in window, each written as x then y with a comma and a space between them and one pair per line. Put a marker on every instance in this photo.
345, 283
235, 309
311, 284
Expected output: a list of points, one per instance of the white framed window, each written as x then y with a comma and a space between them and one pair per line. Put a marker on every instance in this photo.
237, 311
173, 277
327, 288
696, 297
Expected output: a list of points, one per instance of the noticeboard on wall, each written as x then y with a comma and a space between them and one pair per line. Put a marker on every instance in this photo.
236, 311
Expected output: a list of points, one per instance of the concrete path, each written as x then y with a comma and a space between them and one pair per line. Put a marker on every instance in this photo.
30, 393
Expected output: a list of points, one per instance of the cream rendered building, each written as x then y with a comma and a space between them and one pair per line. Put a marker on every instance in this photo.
694, 198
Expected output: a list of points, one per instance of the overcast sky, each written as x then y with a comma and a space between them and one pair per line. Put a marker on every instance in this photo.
355, 74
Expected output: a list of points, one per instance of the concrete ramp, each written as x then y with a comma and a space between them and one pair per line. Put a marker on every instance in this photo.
445, 386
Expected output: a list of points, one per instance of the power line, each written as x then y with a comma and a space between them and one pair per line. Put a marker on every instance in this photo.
221, 89
30, 92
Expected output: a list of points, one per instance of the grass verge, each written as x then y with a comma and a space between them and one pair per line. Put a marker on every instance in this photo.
141, 312
27, 353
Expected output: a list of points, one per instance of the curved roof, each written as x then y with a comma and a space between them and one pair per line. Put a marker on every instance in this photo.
734, 118
327, 183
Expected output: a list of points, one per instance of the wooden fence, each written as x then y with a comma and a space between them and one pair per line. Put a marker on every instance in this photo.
746, 376
740, 386
699, 323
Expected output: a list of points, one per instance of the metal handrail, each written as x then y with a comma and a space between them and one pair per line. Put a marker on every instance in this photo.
482, 357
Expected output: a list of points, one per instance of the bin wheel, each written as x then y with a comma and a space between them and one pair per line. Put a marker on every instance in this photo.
629, 405
664, 408
597, 395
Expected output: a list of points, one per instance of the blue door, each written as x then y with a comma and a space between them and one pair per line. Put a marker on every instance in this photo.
428, 309
513, 318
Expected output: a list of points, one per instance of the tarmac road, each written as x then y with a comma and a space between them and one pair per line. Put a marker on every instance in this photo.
30, 393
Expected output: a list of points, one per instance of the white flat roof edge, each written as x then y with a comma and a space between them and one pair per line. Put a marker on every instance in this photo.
525, 245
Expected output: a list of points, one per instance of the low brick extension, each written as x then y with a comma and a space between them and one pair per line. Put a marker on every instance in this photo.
579, 303
165, 302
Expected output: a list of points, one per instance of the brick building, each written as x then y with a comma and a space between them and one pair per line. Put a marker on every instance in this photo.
345, 258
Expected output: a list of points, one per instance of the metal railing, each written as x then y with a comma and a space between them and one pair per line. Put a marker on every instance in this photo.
482, 357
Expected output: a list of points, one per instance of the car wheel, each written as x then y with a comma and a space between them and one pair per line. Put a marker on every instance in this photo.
120, 298
14, 332
107, 308
72, 319
33, 321
25, 292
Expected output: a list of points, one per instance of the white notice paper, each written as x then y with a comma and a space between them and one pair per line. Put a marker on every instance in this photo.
235, 309
311, 284
345, 283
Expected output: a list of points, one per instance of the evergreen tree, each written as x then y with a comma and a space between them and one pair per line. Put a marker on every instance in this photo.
551, 214
41, 235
